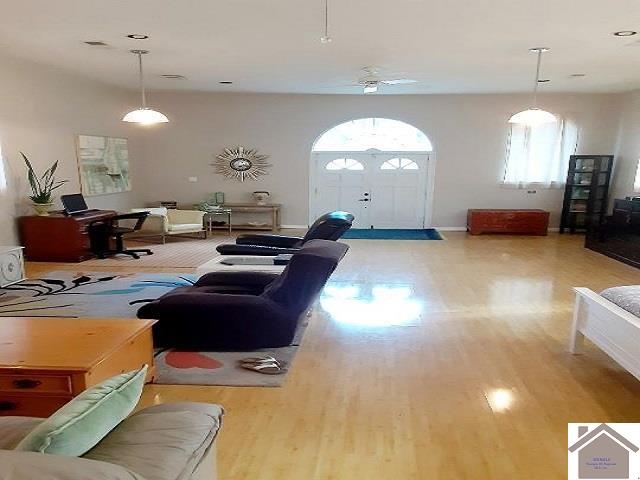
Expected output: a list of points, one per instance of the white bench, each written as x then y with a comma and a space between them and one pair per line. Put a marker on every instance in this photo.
251, 264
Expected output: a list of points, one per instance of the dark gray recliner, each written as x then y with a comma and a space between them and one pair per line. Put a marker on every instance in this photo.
330, 226
244, 310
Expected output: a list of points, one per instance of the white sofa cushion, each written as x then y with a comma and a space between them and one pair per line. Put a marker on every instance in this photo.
162, 211
163, 442
16, 465
14, 429
185, 227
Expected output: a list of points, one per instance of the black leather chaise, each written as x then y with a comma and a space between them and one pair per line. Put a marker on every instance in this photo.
330, 226
244, 310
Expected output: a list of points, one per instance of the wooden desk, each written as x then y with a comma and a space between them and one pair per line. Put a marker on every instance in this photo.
59, 238
44, 362
273, 210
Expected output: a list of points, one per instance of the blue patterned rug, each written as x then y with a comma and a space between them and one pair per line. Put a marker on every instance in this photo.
97, 294
392, 234
86, 294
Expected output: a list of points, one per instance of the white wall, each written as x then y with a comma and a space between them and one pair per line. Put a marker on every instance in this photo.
41, 111
468, 133
628, 151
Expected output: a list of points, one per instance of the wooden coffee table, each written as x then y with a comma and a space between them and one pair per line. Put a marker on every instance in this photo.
44, 362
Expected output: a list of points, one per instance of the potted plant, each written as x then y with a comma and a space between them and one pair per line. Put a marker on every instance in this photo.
42, 187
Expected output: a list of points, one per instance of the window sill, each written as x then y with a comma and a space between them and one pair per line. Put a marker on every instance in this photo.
533, 186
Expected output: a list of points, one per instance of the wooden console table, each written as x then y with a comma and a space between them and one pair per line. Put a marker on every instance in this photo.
44, 362
517, 222
272, 210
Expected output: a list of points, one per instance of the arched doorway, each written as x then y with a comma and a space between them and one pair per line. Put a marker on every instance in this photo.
379, 169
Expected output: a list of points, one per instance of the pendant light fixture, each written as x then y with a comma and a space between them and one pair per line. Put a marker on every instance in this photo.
533, 116
326, 38
144, 115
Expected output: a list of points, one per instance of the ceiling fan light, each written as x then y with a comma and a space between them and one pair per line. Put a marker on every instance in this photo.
326, 39
145, 116
533, 117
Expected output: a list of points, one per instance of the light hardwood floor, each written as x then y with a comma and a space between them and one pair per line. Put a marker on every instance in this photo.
450, 363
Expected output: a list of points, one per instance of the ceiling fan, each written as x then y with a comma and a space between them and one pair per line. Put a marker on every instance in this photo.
371, 80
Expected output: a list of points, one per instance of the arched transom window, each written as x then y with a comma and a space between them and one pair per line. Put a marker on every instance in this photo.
373, 133
399, 164
344, 164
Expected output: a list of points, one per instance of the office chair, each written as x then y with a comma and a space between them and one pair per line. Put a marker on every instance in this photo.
101, 232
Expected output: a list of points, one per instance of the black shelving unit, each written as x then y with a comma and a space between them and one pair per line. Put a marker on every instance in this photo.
586, 192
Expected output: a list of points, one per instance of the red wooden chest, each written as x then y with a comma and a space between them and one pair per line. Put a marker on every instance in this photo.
518, 222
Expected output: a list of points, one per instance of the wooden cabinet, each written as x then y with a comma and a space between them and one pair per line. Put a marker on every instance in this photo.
45, 362
618, 235
517, 222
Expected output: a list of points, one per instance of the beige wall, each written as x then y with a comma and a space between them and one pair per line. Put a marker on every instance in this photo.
468, 133
41, 111
628, 151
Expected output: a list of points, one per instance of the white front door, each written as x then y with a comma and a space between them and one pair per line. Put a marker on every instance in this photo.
381, 189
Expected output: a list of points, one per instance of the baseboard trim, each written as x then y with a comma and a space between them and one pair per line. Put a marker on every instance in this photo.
294, 226
451, 229
464, 229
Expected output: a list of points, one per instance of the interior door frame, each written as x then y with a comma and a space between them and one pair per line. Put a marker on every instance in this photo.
429, 187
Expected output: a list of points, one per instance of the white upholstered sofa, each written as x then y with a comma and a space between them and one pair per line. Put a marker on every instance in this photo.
173, 441
162, 222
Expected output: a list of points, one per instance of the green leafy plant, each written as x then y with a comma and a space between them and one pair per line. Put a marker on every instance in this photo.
42, 187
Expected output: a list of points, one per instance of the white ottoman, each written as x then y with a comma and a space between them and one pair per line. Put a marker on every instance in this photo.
243, 264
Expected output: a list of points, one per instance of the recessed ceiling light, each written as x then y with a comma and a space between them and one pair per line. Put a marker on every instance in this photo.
96, 43
138, 36
226, 82
174, 76
625, 33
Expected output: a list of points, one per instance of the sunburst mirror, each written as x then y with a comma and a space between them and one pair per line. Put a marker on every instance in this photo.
241, 163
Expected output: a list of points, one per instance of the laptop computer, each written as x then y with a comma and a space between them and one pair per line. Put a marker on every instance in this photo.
74, 204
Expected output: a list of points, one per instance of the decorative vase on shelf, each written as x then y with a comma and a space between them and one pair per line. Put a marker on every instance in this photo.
261, 197
42, 209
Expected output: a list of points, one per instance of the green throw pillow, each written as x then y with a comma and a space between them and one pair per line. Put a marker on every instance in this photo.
80, 424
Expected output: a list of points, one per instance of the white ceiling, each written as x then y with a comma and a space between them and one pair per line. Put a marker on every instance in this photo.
273, 45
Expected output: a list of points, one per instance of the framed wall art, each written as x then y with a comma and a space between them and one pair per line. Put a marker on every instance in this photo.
103, 164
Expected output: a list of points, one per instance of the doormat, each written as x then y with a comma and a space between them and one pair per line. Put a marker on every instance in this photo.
392, 234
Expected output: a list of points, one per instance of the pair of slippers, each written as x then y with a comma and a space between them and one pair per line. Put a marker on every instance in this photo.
265, 365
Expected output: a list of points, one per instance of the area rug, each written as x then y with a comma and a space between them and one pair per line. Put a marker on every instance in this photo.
175, 367
98, 294
87, 294
392, 234
177, 252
